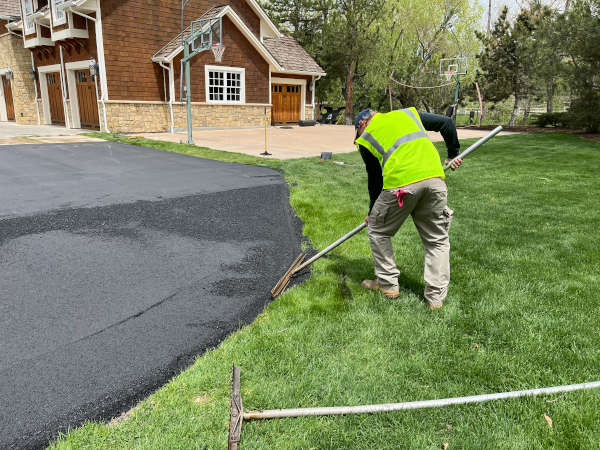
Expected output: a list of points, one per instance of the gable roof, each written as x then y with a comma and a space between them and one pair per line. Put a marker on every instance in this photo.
299, 61
10, 8
291, 56
174, 47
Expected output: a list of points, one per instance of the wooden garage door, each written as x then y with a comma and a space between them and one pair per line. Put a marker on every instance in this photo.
8, 98
86, 98
286, 102
57, 112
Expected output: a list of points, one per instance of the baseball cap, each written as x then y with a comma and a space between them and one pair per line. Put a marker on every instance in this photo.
365, 114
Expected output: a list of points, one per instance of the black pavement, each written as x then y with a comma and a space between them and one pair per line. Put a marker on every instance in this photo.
118, 265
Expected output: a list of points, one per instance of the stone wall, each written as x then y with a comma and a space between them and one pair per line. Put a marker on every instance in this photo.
134, 117
308, 112
15, 57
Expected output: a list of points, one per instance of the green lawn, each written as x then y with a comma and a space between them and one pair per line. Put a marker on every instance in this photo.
523, 312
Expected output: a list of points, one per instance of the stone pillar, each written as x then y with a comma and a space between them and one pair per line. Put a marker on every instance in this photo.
14, 56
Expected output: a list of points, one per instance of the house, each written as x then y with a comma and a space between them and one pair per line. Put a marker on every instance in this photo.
116, 65
17, 96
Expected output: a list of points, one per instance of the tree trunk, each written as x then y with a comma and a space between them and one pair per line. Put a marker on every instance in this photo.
513, 116
350, 93
550, 96
481, 107
527, 109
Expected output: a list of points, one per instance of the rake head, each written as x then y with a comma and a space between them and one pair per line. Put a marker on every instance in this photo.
236, 414
284, 281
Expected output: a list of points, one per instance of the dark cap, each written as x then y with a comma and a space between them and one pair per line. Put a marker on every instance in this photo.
365, 114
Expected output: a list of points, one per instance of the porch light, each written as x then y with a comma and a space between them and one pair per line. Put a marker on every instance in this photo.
93, 68
32, 74
9, 75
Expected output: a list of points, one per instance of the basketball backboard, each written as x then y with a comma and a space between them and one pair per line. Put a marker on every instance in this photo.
205, 33
457, 65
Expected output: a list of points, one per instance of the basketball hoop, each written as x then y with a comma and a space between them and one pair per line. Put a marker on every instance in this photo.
449, 74
218, 51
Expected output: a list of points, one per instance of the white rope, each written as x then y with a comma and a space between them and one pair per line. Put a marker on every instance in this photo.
421, 87
337, 410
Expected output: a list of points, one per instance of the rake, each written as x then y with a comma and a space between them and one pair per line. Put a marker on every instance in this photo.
238, 415
299, 264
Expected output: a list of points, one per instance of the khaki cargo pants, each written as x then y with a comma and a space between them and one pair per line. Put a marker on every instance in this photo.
425, 201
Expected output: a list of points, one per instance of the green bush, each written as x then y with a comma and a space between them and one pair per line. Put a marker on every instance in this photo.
553, 119
583, 113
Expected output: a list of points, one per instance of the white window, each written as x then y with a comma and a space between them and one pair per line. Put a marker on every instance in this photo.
28, 15
225, 84
59, 16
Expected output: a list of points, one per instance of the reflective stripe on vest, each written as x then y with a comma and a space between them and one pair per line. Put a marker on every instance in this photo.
424, 160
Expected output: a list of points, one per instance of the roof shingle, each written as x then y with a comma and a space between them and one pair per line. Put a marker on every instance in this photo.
291, 56
10, 8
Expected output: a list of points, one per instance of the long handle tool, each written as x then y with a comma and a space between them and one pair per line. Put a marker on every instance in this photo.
238, 415
300, 264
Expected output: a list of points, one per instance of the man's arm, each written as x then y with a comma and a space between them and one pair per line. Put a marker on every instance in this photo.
374, 175
445, 126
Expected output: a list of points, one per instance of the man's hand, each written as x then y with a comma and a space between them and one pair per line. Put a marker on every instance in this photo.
455, 164
367, 219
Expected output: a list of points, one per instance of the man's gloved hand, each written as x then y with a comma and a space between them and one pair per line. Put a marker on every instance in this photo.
455, 164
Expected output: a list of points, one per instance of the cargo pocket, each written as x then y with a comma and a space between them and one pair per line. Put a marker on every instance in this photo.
378, 215
381, 208
447, 215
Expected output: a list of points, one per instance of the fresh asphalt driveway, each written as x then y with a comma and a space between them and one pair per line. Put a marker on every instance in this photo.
119, 265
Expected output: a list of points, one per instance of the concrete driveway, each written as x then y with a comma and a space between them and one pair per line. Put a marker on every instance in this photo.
14, 134
118, 266
285, 142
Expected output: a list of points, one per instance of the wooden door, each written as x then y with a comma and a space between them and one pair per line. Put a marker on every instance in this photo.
57, 112
287, 102
86, 99
8, 98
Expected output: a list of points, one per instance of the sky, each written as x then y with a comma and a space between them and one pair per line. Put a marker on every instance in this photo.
497, 5
513, 7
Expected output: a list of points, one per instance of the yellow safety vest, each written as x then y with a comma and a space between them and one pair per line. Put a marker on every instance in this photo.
399, 141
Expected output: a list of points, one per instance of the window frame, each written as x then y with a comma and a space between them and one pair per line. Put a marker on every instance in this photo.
33, 29
56, 21
225, 70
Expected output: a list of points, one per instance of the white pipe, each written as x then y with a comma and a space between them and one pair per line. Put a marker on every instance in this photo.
64, 88
170, 93
337, 410
12, 32
37, 107
480, 142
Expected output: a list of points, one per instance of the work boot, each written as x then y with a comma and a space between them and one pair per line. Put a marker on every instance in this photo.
435, 296
374, 285
435, 305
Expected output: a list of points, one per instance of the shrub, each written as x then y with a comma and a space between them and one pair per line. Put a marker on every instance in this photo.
583, 113
553, 119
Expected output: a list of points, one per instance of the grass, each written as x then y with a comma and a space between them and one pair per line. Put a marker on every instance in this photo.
522, 312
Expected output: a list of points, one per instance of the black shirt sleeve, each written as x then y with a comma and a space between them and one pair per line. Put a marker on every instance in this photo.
445, 126
374, 175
